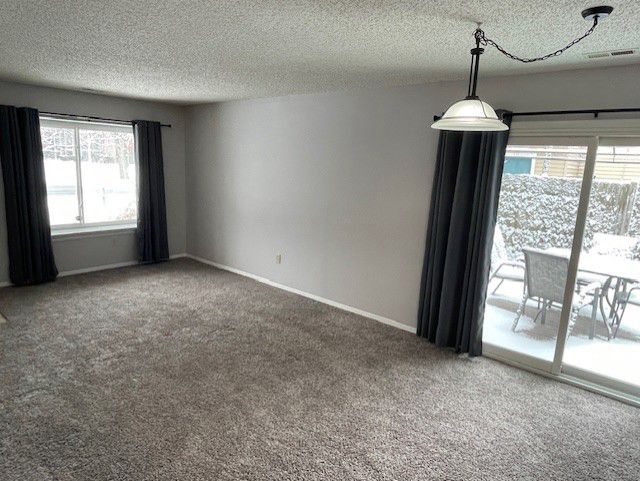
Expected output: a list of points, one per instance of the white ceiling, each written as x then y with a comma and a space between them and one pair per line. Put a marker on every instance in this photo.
199, 51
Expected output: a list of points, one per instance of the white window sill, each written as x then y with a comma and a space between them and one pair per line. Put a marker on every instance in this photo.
92, 231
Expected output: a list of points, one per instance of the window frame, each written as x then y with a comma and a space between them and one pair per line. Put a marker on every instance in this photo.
82, 226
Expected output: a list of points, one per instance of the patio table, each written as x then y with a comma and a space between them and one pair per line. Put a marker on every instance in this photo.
612, 267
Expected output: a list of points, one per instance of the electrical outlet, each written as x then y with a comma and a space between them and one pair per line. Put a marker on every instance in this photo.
278, 258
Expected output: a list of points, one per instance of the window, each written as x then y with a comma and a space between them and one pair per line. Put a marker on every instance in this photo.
90, 173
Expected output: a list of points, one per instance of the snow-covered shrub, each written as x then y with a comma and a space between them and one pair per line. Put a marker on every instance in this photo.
540, 211
634, 222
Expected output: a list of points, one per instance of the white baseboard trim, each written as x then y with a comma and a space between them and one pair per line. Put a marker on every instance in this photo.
339, 305
96, 268
110, 266
103, 267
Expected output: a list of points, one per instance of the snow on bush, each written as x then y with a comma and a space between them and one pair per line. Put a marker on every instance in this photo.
634, 222
540, 211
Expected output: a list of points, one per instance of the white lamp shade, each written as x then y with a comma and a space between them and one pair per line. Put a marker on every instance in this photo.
470, 115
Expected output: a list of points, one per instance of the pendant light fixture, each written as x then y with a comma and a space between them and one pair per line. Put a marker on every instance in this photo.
471, 113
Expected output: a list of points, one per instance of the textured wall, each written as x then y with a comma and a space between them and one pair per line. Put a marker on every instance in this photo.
340, 182
102, 249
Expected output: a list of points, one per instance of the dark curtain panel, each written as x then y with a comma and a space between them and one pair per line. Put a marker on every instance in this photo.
25, 192
153, 245
462, 217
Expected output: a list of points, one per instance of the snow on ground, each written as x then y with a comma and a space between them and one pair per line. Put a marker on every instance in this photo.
107, 195
618, 358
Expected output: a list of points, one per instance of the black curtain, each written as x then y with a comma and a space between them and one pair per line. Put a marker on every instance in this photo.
31, 258
464, 203
153, 245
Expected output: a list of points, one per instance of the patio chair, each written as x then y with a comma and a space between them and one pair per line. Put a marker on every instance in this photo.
545, 278
623, 299
507, 269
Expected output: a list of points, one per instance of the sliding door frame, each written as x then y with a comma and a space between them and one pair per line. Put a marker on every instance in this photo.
576, 249
592, 134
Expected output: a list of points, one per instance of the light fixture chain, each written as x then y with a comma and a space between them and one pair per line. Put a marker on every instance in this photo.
480, 35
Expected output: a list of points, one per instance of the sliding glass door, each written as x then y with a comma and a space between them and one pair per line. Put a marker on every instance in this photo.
604, 347
564, 294
534, 233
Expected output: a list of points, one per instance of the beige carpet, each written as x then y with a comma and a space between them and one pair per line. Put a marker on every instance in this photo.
182, 371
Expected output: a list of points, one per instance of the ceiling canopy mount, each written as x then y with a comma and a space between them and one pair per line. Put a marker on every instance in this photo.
592, 13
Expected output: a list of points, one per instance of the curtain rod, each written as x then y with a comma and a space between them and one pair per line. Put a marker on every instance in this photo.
594, 112
91, 118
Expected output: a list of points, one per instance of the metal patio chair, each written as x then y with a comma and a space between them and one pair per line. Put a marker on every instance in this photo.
506, 269
622, 300
545, 279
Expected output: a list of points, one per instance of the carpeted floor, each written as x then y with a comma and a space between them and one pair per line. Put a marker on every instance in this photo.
183, 371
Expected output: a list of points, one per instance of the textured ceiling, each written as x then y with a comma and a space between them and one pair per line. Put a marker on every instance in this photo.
196, 51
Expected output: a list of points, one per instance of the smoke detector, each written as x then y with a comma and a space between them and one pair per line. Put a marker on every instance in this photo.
613, 53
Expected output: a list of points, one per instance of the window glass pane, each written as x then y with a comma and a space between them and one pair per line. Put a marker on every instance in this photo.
537, 211
108, 175
605, 332
58, 147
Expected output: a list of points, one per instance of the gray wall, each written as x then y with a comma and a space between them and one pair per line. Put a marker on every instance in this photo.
103, 249
339, 183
